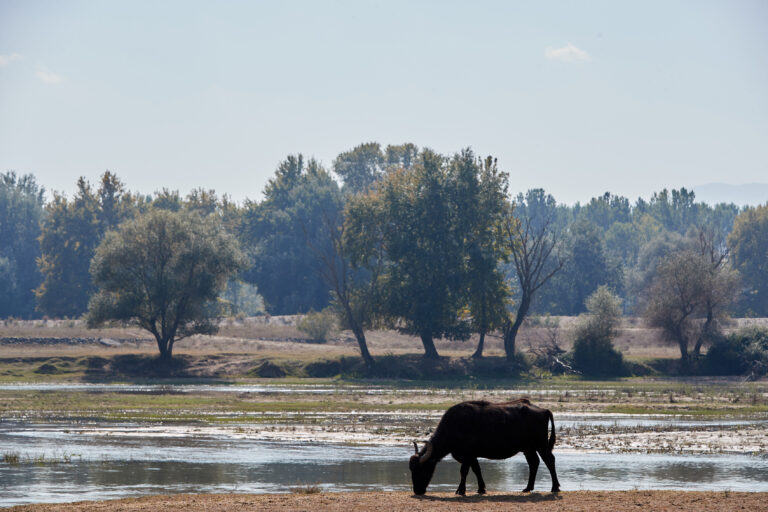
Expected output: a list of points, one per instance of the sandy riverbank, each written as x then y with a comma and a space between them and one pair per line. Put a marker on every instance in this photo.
401, 501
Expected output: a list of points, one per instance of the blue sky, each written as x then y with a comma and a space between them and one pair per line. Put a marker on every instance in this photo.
576, 97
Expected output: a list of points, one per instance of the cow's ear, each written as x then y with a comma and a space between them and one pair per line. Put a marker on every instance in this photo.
415, 447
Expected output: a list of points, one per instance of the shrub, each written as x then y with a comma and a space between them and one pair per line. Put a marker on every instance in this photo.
742, 352
597, 356
593, 350
317, 325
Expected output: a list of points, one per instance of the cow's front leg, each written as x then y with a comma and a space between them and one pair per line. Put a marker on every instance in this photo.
462, 490
480, 481
533, 466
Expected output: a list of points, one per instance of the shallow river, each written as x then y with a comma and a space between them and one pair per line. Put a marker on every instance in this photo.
78, 465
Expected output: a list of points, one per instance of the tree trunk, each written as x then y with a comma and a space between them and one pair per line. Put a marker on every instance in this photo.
682, 341
363, 344
704, 332
430, 352
510, 331
479, 352
166, 349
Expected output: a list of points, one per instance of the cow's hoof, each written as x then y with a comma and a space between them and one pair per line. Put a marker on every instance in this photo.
481, 491
555, 489
461, 492
528, 489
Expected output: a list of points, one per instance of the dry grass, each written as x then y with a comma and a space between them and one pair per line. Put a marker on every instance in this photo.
278, 337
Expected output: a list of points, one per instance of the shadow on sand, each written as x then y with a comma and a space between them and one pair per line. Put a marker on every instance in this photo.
493, 498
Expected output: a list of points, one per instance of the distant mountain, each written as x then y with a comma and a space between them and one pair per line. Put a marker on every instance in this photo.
748, 194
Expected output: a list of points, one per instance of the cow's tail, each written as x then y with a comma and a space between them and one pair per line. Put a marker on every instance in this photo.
552, 437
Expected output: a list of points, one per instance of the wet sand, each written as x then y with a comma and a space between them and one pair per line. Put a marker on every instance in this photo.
402, 501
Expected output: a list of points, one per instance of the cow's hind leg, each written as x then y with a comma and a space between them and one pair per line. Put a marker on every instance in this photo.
480, 481
549, 460
533, 467
462, 490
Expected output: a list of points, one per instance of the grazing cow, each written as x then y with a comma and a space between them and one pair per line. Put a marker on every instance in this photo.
493, 431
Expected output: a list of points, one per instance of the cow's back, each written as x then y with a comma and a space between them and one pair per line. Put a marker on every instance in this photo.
493, 431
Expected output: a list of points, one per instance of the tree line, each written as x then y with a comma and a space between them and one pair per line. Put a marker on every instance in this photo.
432, 245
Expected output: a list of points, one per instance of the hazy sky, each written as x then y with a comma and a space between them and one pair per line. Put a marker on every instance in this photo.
575, 97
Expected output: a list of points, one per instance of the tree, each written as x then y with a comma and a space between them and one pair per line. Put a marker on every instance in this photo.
606, 210
676, 210
532, 241
71, 231
686, 288
163, 272
413, 215
484, 207
21, 212
748, 243
353, 282
586, 266
360, 167
401, 156
280, 232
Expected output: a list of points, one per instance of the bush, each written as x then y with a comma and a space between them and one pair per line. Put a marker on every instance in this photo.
593, 350
597, 356
317, 325
742, 352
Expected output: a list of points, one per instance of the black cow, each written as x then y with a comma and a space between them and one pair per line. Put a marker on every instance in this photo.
470, 430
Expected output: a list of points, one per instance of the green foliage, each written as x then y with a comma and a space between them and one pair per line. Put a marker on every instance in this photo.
426, 220
688, 287
675, 210
283, 233
242, 299
484, 206
360, 167
744, 351
318, 325
70, 234
163, 272
748, 243
586, 267
21, 212
593, 350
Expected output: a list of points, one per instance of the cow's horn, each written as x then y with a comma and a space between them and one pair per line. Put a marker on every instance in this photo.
416, 447
427, 454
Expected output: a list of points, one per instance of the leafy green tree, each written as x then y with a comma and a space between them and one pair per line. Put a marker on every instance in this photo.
586, 266
685, 290
532, 238
401, 156
163, 272
280, 232
748, 243
70, 234
360, 167
639, 277
352, 276
606, 210
675, 210
21, 212
414, 217
484, 206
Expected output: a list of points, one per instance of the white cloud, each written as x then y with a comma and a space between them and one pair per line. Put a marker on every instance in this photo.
49, 77
7, 59
567, 53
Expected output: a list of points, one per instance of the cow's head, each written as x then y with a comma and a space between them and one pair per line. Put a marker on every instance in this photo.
422, 466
